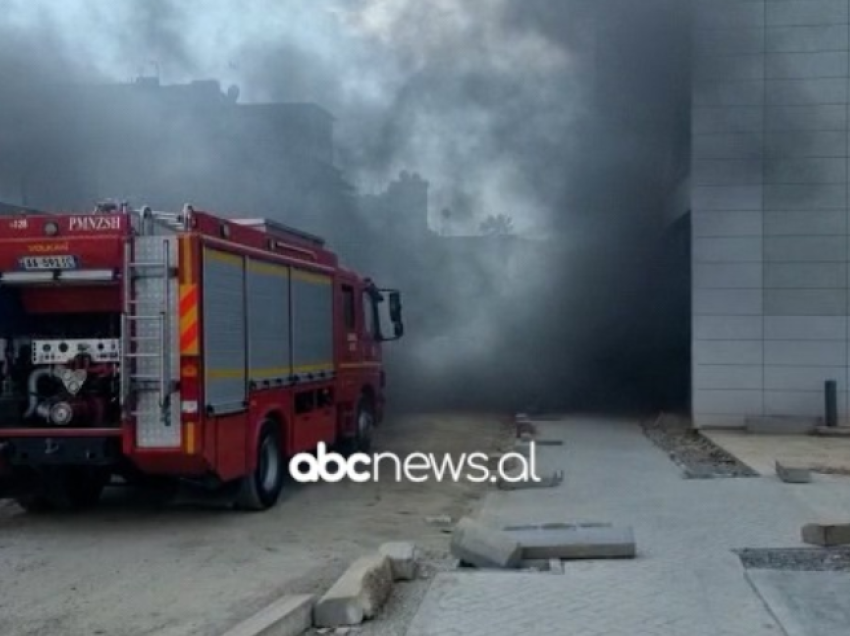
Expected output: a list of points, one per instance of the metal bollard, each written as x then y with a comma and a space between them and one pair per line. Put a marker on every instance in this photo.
831, 397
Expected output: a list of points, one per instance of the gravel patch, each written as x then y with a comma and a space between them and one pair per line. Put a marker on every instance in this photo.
799, 559
698, 456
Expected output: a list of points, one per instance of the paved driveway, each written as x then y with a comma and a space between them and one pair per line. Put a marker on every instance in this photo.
686, 580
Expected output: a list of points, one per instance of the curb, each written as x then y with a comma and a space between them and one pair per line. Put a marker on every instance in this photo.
363, 596
288, 616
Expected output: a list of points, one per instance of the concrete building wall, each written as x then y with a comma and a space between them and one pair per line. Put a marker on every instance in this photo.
769, 196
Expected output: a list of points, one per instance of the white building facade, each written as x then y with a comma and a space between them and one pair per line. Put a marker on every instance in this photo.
769, 205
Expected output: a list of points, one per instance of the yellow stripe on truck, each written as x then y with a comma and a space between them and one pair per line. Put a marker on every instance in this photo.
269, 269
313, 368
310, 277
225, 374
360, 365
223, 257
191, 437
271, 372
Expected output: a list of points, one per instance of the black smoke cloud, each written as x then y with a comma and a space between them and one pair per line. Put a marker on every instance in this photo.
562, 116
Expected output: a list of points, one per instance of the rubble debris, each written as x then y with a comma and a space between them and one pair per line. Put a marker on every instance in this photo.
440, 521
690, 450
402, 556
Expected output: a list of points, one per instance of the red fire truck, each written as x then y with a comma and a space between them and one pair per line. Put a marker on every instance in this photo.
178, 346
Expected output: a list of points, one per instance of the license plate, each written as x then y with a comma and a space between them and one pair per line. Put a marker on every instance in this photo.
31, 263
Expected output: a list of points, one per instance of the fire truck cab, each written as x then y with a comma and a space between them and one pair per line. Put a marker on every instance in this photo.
177, 346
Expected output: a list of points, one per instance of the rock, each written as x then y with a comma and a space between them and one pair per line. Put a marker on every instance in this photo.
402, 556
357, 595
793, 474
826, 535
441, 521
289, 616
484, 547
601, 542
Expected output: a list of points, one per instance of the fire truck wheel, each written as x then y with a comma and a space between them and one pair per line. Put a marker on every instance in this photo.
66, 490
261, 489
365, 422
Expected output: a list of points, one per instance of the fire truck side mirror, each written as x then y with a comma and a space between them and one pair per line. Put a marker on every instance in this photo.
394, 313
395, 307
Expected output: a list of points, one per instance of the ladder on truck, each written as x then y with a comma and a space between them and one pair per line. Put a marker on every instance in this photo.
148, 346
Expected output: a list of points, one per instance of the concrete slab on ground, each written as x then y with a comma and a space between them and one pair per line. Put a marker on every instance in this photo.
576, 543
826, 534
791, 474
806, 603
289, 616
688, 579
761, 452
484, 547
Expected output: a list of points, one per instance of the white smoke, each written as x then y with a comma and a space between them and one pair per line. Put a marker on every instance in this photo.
359, 59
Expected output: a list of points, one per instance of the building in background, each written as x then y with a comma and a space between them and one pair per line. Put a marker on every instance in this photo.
163, 146
401, 209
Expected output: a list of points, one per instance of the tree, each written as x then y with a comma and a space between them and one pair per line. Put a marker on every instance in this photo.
497, 225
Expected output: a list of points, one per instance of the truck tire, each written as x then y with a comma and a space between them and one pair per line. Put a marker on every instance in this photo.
364, 423
260, 489
66, 490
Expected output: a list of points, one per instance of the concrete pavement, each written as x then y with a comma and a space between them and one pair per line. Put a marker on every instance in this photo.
806, 603
686, 579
